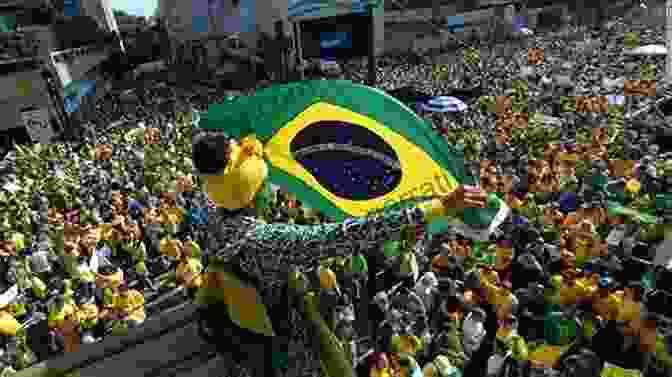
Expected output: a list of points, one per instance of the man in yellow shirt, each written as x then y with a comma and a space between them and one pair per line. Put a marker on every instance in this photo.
239, 283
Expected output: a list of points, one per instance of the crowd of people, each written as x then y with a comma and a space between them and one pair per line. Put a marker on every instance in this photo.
515, 307
569, 284
564, 275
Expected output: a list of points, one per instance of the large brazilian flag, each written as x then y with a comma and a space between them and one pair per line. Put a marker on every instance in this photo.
349, 150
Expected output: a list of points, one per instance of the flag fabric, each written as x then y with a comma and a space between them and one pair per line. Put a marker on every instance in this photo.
373, 153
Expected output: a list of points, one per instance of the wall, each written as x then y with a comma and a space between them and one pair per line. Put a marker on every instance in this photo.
20, 90
180, 15
180, 18
69, 70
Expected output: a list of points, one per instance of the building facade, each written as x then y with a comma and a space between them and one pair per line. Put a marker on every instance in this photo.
200, 18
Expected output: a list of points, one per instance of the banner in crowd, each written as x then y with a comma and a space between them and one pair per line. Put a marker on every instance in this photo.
351, 150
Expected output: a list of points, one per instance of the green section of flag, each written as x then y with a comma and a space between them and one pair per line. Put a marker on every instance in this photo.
271, 109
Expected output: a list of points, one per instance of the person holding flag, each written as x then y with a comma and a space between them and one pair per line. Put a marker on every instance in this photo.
245, 293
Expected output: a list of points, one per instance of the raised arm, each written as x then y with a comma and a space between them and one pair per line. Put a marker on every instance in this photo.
354, 235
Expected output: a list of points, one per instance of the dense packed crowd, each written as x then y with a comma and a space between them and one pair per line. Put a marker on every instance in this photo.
96, 231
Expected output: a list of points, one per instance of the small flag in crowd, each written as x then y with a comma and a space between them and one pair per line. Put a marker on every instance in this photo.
444, 104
